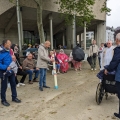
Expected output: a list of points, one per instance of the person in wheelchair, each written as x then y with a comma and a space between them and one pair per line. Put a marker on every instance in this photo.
29, 67
115, 65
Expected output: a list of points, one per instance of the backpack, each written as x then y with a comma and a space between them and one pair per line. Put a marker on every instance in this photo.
78, 54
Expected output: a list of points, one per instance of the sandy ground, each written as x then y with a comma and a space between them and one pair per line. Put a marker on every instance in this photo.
74, 100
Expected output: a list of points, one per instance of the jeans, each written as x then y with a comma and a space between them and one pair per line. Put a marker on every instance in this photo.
42, 81
57, 66
4, 87
30, 72
99, 59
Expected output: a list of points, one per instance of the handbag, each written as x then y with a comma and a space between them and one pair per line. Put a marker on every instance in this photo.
94, 54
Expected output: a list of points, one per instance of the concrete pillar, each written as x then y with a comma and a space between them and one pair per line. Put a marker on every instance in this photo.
74, 33
101, 33
19, 24
63, 39
95, 34
84, 35
80, 39
69, 36
51, 30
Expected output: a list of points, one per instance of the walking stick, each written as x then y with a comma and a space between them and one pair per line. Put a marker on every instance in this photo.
54, 72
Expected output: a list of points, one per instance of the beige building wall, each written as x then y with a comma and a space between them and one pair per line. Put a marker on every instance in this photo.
11, 35
49, 5
5, 5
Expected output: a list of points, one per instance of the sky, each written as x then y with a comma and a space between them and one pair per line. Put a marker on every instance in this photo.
114, 18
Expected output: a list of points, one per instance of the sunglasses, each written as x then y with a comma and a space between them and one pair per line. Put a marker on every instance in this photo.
108, 43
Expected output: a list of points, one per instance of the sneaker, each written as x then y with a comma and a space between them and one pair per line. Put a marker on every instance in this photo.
22, 84
34, 80
117, 116
75, 69
58, 72
95, 69
18, 85
80, 69
30, 82
91, 68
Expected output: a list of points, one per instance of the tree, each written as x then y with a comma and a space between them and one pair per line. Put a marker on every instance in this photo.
39, 20
81, 8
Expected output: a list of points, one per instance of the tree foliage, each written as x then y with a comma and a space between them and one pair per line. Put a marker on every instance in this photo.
81, 8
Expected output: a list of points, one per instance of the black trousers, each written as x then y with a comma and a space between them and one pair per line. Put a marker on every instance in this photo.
4, 87
21, 73
118, 92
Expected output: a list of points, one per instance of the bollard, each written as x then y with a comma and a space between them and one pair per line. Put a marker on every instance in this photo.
54, 73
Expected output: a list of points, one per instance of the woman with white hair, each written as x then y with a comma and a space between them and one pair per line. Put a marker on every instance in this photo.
63, 60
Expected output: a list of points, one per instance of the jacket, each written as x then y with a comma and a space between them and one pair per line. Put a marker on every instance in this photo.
43, 58
115, 63
93, 49
14, 67
5, 60
28, 64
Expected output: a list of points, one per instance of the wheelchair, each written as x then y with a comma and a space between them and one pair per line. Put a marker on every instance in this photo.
106, 86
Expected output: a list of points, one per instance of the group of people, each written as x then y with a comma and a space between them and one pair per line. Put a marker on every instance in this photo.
109, 62
11, 67
104, 53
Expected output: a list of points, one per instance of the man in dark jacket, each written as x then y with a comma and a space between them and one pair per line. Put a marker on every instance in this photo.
5, 60
115, 65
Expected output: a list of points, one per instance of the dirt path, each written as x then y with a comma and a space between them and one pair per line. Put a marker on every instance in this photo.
74, 100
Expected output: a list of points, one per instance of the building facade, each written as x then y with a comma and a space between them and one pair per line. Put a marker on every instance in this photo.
110, 34
59, 33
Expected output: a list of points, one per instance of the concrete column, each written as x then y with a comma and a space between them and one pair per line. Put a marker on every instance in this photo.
80, 39
84, 35
101, 33
19, 24
63, 39
51, 30
69, 36
74, 33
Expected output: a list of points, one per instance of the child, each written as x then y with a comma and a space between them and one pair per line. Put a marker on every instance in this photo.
56, 62
13, 68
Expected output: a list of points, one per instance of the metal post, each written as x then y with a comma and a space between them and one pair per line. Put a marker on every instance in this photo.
84, 35
18, 21
54, 72
51, 31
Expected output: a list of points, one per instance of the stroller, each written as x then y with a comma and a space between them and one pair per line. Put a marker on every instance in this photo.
106, 86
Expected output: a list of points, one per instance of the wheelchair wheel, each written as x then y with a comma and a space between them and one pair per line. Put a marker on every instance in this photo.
99, 93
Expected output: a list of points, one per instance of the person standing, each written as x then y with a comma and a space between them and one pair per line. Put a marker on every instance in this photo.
5, 60
100, 53
107, 55
93, 52
42, 63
